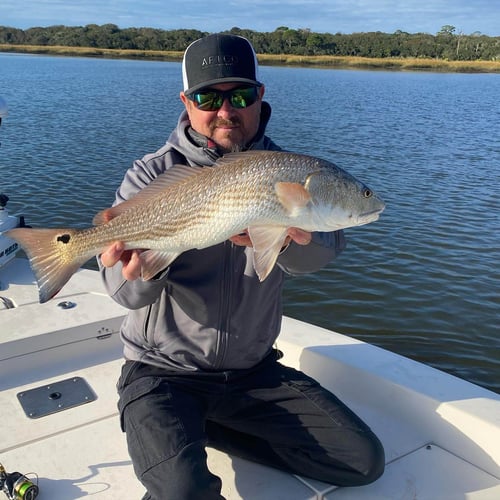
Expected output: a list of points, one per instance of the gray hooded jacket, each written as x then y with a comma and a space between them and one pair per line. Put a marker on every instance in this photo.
208, 310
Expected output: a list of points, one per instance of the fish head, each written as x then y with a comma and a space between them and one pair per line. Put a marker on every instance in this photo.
339, 200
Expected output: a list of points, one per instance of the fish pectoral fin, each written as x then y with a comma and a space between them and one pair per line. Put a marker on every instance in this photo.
293, 196
153, 262
267, 243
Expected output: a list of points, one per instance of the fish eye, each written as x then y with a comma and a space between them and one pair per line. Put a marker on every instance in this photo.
367, 193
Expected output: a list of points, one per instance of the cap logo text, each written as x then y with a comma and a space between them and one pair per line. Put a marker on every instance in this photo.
219, 60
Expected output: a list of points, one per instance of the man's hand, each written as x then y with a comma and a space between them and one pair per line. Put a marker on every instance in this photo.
131, 263
300, 236
293, 234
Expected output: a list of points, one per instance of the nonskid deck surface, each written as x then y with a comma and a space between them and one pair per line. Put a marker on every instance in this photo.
441, 434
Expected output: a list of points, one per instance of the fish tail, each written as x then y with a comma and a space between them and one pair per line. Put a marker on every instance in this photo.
52, 257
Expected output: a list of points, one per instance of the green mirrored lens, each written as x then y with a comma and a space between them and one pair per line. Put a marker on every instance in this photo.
241, 98
208, 101
212, 100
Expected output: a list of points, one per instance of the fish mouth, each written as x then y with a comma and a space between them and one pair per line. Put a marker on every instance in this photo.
377, 211
370, 216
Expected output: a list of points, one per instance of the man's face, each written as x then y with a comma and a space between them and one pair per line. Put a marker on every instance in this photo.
230, 128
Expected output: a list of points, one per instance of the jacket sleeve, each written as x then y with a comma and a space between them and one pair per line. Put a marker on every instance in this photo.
138, 293
302, 259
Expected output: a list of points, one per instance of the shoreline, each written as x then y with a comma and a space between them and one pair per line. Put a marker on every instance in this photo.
327, 62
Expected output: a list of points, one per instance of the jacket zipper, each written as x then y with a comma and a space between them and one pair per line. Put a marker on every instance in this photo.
146, 327
225, 310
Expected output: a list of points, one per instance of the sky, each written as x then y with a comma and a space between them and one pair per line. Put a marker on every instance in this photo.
321, 16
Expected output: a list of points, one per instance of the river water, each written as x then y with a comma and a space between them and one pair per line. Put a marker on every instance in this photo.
423, 281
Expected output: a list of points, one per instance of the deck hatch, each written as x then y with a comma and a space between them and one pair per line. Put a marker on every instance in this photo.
55, 397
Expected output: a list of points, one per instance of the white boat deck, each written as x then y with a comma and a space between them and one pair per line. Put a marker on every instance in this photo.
441, 434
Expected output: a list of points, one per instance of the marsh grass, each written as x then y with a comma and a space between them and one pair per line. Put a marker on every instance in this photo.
60, 50
390, 63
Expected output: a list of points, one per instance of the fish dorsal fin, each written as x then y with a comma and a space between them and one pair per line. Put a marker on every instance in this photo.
173, 175
242, 155
267, 243
104, 216
293, 196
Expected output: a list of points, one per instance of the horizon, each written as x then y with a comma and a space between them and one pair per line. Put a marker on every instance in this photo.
455, 32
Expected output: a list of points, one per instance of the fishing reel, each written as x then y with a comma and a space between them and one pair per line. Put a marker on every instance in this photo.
17, 486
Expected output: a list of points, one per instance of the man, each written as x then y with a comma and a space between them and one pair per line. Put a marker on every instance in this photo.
200, 365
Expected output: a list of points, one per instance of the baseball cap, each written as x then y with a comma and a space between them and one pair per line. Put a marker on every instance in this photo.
219, 58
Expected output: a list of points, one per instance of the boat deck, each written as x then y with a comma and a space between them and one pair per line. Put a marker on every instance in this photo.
441, 434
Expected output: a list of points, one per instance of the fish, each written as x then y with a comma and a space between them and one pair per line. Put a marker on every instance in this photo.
261, 192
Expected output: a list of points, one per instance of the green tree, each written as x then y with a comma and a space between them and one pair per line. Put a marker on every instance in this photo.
447, 29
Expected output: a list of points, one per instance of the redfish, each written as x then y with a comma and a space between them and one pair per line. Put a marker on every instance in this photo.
188, 207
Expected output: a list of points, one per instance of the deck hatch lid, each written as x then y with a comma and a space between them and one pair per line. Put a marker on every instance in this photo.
58, 396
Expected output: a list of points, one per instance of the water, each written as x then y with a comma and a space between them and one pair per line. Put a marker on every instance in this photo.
422, 281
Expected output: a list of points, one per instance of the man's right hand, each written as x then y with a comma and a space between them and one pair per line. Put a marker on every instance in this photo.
131, 264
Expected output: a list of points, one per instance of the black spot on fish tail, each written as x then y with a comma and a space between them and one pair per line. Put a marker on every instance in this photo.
64, 238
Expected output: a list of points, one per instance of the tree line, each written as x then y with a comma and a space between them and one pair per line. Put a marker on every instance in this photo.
446, 44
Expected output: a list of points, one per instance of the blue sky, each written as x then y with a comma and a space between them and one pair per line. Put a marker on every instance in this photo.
332, 16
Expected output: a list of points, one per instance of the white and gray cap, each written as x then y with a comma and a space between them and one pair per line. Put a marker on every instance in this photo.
219, 58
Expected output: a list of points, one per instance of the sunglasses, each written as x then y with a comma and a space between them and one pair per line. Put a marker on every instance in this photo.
212, 100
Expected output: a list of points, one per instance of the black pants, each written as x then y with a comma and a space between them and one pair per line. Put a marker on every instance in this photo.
269, 414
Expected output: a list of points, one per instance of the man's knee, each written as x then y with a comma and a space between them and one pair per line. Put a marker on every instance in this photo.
375, 462
364, 464
370, 463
